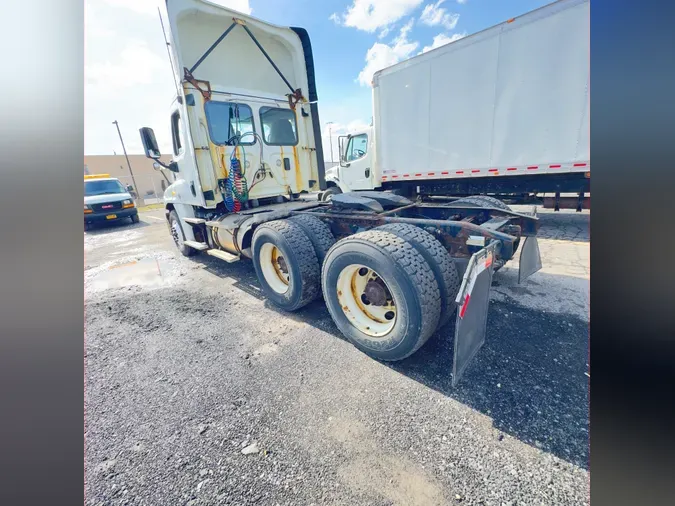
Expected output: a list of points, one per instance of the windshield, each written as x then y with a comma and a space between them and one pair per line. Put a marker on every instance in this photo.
102, 187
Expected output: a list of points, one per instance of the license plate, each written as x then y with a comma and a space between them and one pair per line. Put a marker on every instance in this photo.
111, 217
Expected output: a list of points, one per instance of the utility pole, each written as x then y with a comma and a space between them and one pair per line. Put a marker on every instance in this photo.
330, 139
126, 156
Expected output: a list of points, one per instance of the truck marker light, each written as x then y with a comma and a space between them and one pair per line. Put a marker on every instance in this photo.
580, 165
418, 175
459, 171
554, 166
431, 173
533, 167
475, 170
512, 168
493, 170
444, 173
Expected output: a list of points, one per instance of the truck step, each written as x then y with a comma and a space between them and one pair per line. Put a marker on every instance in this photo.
223, 255
196, 245
194, 221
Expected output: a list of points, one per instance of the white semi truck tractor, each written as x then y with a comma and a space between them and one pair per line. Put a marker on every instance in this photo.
246, 153
505, 112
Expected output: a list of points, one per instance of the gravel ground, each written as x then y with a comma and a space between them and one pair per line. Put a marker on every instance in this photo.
200, 392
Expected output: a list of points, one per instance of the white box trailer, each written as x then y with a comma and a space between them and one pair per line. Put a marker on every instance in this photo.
501, 108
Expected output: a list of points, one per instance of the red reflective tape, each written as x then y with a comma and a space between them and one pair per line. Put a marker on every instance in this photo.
466, 303
394, 177
431, 173
493, 170
580, 165
475, 170
459, 171
554, 166
533, 167
444, 173
488, 261
512, 168
418, 175
406, 175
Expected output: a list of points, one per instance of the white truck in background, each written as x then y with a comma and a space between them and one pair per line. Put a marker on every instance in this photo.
505, 111
247, 151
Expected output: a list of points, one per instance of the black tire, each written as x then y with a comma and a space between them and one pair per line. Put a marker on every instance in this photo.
438, 258
135, 219
318, 232
484, 200
330, 191
303, 265
176, 230
410, 281
87, 226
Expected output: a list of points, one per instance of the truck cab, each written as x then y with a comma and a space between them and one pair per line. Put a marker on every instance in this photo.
356, 169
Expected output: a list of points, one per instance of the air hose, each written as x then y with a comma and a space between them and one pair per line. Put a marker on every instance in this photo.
236, 186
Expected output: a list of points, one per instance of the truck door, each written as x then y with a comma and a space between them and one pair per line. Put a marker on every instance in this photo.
356, 167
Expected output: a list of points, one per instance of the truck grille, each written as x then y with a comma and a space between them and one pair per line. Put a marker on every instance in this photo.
106, 207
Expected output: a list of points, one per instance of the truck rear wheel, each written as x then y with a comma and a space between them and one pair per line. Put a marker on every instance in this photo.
286, 264
176, 230
318, 232
381, 294
440, 261
484, 200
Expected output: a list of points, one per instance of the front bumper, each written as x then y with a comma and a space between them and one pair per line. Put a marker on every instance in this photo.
119, 214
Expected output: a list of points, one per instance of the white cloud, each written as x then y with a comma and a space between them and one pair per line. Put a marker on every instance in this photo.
380, 55
150, 6
434, 14
334, 18
136, 64
461, 1
441, 39
369, 15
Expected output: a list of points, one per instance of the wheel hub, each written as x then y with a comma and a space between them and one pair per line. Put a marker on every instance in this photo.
375, 293
366, 300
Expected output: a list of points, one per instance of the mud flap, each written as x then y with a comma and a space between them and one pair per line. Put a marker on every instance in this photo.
473, 301
530, 259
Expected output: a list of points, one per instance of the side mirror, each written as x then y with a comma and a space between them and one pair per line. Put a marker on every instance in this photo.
150, 143
129, 188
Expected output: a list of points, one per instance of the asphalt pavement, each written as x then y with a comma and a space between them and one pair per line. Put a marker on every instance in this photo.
199, 392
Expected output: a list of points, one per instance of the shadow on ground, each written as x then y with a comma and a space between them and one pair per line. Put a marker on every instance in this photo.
115, 226
529, 377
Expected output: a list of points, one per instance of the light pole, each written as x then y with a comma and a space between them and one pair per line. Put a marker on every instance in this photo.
126, 156
330, 139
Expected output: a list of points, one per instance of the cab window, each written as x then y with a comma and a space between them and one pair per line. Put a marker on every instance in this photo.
227, 121
279, 127
357, 147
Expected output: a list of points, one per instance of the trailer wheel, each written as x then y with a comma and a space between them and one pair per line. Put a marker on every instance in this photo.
330, 191
286, 264
484, 200
438, 258
381, 294
318, 232
178, 236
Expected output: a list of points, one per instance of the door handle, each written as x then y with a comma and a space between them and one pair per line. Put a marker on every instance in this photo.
367, 171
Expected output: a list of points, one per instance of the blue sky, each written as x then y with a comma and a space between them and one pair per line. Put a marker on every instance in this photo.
128, 77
